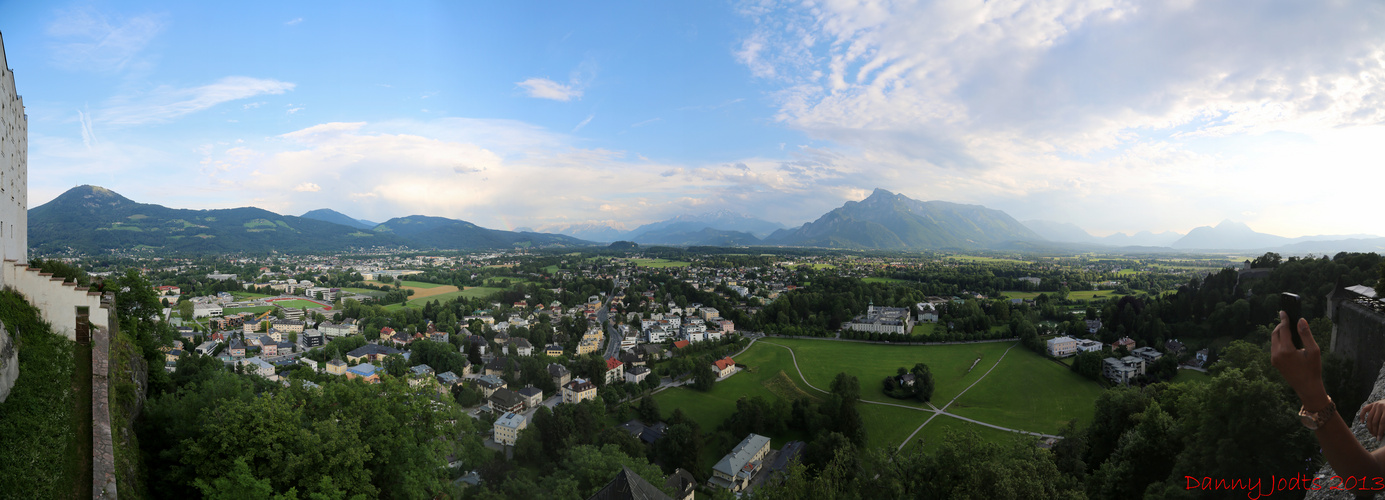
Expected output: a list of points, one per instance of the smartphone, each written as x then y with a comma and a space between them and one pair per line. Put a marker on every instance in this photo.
1292, 305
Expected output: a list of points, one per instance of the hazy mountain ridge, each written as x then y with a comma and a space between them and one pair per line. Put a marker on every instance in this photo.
890, 221
444, 233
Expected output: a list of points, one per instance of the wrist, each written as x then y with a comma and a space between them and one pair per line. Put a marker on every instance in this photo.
1314, 399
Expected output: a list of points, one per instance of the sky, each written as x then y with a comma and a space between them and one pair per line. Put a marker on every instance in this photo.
1113, 115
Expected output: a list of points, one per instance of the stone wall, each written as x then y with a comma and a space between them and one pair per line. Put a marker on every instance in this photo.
1358, 334
1364, 436
9, 363
102, 445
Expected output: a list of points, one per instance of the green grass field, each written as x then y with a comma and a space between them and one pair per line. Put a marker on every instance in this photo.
237, 310
659, 263
1191, 376
476, 292
364, 291
1029, 392
420, 284
297, 304
977, 258
822, 360
514, 280
248, 295
553, 269
931, 437
924, 329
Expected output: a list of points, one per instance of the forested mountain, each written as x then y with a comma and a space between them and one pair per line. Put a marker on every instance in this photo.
891, 221
440, 232
92, 219
333, 216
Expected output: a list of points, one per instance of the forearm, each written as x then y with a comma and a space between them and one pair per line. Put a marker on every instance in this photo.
1340, 447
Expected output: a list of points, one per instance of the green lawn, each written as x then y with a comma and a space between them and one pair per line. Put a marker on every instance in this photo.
1029, 392
248, 295
1191, 376
553, 269
237, 310
932, 436
514, 280
659, 263
924, 329
363, 291
977, 258
822, 360
420, 284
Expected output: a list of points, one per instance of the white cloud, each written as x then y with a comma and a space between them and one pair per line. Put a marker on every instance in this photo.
165, 103
88, 135
86, 40
307, 187
543, 88
293, 21
1051, 107
294, 110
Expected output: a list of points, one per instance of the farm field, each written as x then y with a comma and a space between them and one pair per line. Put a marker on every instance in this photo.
821, 360
422, 290
976, 258
514, 280
659, 263
470, 292
363, 291
1029, 392
1082, 295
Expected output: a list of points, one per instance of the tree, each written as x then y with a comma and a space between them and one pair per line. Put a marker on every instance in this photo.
185, 309
703, 378
649, 410
923, 382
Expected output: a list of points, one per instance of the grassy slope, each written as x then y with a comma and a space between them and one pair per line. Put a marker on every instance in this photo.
1031, 393
45, 423
821, 361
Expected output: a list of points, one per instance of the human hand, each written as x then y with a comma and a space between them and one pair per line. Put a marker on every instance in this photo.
1373, 415
1302, 368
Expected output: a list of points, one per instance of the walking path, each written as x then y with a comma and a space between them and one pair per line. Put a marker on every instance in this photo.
934, 410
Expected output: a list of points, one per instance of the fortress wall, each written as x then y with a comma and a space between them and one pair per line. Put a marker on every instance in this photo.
56, 301
14, 177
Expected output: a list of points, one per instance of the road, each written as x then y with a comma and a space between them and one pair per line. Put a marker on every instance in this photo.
612, 340
932, 409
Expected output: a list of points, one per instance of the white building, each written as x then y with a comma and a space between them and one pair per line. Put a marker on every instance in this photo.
1084, 345
883, 320
1060, 347
507, 428
736, 469
1149, 354
1122, 370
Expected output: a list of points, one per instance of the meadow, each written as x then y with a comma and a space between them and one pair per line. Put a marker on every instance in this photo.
1030, 392
659, 263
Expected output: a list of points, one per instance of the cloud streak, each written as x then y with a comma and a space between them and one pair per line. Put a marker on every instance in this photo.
86, 40
543, 88
165, 104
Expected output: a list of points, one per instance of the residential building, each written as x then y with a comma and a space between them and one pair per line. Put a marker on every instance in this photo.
488, 384
736, 469
259, 367
533, 396
1093, 325
448, 379
615, 370
287, 325
636, 374
1122, 370
682, 483
311, 338
927, 313
207, 348
237, 349
371, 352
1126, 342
578, 390
1175, 348
518, 346
336, 367
269, 349
505, 400
627, 485
561, 375
724, 367
1060, 347
420, 374
553, 350
1084, 345
1148, 354
507, 428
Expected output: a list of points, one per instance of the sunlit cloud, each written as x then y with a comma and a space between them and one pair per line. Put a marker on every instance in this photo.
543, 88
166, 103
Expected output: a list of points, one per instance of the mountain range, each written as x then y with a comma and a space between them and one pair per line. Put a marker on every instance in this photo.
92, 219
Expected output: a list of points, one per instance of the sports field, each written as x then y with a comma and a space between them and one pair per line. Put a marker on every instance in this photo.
443, 298
299, 303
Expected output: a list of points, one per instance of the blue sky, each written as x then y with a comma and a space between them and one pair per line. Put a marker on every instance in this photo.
1114, 115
